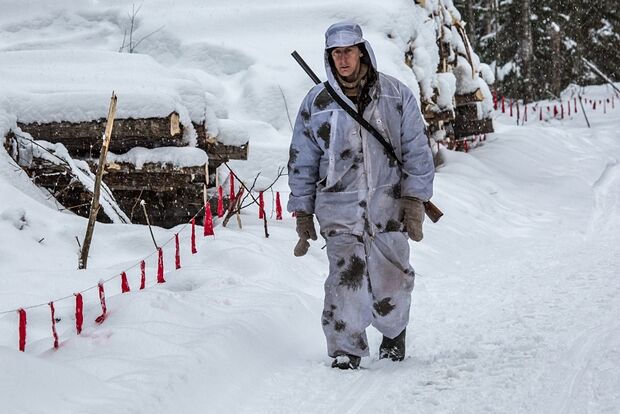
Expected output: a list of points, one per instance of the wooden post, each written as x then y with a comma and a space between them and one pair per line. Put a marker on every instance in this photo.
94, 207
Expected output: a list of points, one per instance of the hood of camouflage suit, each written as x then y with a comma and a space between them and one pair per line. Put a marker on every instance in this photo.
343, 34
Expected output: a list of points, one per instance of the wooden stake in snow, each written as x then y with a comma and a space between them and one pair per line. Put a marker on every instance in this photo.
94, 207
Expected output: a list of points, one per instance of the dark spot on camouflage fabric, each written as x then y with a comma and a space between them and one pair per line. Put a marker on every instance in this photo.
359, 341
307, 133
328, 317
346, 154
391, 160
384, 306
292, 156
405, 175
295, 170
363, 203
399, 108
379, 226
340, 262
333, 307
394, 191
406, 271
323, 99
353, 275
331, 233
324, 132
305, 115
340, 325
392, 225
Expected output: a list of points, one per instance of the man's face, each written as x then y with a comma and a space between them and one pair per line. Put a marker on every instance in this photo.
347, 61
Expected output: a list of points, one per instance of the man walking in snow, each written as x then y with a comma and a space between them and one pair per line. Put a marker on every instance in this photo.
365, 202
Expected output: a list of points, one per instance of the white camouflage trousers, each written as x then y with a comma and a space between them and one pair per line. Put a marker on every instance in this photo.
370, 282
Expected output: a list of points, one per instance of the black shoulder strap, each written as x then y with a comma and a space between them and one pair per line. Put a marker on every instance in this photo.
360, 120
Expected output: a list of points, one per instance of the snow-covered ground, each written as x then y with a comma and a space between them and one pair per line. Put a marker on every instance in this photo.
516, 304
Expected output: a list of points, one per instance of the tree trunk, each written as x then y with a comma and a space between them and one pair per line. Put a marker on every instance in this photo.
526, 51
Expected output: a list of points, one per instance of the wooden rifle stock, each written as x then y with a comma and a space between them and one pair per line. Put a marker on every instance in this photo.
432, 211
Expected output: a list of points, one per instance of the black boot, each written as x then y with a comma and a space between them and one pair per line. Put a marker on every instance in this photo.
393, 348
346, 362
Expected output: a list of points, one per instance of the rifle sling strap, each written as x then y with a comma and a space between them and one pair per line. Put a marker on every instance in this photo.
360, 120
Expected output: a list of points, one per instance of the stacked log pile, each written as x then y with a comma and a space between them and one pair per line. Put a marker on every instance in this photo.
172, 194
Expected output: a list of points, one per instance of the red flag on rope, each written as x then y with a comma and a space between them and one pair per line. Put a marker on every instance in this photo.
568, 106
220, 202
54, 324
79, 312
22, 329
278, 207
160, 266
525, 114
142, 275
261, 205
101, 317
540, 115
511, 107
208, 222
177, 253
124, 283
555, 111
193, 240
594, 105
503, 105
495, 99
232, 188
575, 104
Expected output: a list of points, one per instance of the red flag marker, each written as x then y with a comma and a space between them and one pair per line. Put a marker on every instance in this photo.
511, 107
124, 283
220, 202
278, 207
208, 222
22, 329
575, 104
102, 317
79, 312
540, 115
194, 251
503, 105
177, 254
142, 275
55, 335
525, 114
555, 111
232, 188
568, 106
495, 99
261, 205
160, 266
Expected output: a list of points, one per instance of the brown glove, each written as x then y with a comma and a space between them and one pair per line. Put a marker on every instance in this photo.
413, 216
305, 231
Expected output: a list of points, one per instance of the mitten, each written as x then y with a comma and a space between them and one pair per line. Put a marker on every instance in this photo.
413, 216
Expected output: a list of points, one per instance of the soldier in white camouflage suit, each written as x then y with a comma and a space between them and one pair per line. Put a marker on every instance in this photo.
365, 203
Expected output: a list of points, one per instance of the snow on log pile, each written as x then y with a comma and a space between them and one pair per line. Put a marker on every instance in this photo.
455, 99
160, 143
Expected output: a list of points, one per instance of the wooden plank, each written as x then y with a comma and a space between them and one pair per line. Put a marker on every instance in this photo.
476, 96
84, 139
473, 127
